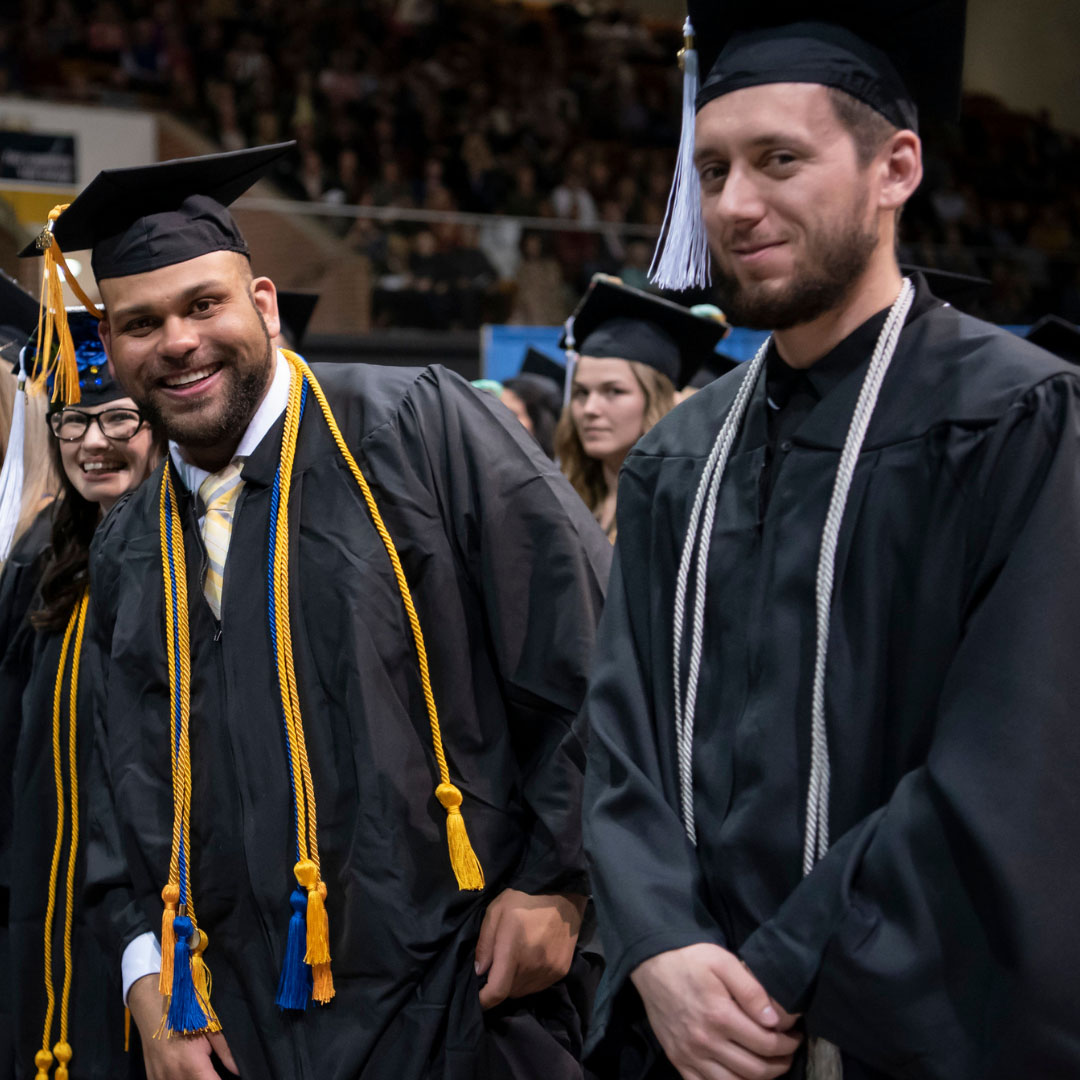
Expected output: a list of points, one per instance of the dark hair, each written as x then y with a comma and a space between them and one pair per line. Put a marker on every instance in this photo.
67, 570
868, 129
543, 406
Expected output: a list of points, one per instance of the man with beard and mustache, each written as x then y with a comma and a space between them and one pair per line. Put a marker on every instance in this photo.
391, 598
831, 803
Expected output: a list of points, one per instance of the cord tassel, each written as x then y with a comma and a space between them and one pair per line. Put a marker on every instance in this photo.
200, 976
463, 860
43, 1060
294, 986
682, 257
185, 1015
318, 932
171, 895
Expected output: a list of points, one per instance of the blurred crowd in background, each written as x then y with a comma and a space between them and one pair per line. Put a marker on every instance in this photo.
564, 113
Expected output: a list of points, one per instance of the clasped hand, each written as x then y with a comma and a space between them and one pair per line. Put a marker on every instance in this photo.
712, 1018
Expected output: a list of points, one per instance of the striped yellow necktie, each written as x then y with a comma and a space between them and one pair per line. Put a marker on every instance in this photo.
218, 492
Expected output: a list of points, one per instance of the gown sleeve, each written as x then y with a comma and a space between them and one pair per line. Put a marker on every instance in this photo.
539, 564
937, 937
647, 882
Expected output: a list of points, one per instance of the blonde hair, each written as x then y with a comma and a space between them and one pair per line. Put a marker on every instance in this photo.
40, 482
586, 474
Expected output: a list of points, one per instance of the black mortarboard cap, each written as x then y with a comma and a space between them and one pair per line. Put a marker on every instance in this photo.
712, 367
893, 56
144, 218
540, 364
615, 320
96, 384
18, 317
295, 310
960, 290
1057, 335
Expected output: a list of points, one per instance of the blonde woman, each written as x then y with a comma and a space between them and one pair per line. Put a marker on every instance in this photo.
629, 352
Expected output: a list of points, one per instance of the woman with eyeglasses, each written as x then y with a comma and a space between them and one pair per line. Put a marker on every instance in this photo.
65, 1000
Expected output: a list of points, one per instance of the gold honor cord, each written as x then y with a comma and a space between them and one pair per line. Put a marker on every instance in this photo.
52, 317
176, 894
467, 869
61, 1052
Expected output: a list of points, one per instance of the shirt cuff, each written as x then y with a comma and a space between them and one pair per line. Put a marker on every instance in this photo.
141, 957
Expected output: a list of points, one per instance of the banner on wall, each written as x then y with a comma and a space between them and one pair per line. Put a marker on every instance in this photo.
37, 158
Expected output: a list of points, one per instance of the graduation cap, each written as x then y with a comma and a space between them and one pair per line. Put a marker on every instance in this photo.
96, 384
1057, 335
150, 216
960, 290
615, 320
140, 219
543, 366
897, 58
18, 316
295, 310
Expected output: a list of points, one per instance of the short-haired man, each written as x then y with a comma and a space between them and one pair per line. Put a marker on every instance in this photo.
390, 607
833, 749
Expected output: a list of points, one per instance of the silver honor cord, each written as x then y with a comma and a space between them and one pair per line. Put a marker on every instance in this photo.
698, 535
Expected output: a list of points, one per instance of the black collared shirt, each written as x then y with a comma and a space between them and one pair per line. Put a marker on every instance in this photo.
793, 393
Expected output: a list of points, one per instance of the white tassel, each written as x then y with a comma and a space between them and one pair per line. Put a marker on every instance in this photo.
11, 478
682, 259
571, 359
823, 1061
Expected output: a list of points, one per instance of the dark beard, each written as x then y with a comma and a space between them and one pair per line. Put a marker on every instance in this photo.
836, 266
242, 395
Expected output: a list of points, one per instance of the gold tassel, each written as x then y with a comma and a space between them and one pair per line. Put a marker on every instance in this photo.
200, 976
127, 1030
43, 1060
322, 989
63, 366
62, 1053
171, 895
466, 866
318, 930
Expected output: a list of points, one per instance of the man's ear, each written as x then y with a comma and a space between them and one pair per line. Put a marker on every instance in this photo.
105, 333
264, 297
901, 169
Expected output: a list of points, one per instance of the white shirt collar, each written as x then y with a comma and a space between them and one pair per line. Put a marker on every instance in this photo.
271, 407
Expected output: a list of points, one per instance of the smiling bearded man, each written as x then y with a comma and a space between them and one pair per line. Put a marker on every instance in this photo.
356, 589
833, 744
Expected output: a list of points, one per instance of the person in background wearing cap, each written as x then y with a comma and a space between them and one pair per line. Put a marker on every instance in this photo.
535, 396
342, 671
630, 353
831, 796
101, 449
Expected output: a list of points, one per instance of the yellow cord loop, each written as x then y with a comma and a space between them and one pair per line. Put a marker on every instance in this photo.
72, 642
466, 866
52, 319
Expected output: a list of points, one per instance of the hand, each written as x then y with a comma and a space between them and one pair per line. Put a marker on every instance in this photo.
185, 1057
526, 943
713, 1019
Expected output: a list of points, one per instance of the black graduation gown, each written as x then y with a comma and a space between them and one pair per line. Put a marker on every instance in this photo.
27, 679
507, 569
936, 939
